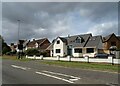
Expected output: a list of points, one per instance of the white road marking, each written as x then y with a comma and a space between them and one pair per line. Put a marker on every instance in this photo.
44, 72
20, 67
73, 79
62, 75
55, 77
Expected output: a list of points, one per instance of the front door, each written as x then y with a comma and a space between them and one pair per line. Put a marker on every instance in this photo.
69, 50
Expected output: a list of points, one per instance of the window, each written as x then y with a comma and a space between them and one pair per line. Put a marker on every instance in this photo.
77, 50
113, 43
57, 50
58, 42
90, 50
78, 40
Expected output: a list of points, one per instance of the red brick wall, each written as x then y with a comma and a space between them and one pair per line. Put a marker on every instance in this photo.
107, 44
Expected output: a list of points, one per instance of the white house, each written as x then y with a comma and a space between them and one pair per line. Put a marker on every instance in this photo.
93, 46
59, 47
72, 45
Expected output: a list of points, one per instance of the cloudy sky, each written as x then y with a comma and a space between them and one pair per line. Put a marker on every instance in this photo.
52, 19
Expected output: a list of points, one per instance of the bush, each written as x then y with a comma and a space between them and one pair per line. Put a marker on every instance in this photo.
45, 53
11, 53
6, 49
32, 52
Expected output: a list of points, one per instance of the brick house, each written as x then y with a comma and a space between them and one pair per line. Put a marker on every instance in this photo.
40, 44
111, 41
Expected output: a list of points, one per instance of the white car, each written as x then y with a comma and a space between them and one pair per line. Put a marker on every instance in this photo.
89, 55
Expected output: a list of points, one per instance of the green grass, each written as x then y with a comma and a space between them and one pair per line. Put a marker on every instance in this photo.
83, 65
15, 58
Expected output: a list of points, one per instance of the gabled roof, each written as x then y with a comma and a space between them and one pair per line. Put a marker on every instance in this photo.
45, 46
63, 39
106, 38
50, 47
39, 41
93, 41
71, 40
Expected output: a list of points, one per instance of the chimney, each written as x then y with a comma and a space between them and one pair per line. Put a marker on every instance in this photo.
33, 39
68, 35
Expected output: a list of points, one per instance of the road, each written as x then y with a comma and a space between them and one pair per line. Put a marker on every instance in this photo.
33, 72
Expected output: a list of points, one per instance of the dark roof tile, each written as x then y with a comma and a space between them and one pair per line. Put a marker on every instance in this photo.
32, 43
94, 41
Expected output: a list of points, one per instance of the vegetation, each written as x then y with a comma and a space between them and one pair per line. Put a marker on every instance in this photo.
15, 58
4, 48
83, 65
36, 52
32, 52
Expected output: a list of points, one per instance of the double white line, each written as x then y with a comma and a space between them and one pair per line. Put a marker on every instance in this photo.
71, 79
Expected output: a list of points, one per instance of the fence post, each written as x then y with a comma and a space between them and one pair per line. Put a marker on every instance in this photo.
87, 59
34, 56
41, 56
26, 56
69, 58
110, 58
58, 57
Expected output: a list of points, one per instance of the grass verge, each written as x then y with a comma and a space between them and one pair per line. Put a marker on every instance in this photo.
83, 65
15, 58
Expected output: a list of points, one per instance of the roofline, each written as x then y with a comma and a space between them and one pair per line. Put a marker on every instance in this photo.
87, 40
110, 37
49, 46
43, 41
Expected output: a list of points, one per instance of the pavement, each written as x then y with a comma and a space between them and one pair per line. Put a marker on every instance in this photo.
33, 72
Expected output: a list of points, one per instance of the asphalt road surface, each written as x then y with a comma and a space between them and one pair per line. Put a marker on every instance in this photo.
33, 72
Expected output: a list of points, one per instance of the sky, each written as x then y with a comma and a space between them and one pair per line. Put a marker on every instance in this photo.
53, 19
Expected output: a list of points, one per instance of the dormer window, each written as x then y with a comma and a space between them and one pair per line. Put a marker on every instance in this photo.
58, 41
78, 40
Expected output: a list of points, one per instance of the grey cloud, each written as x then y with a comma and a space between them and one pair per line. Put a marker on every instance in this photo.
50, 19
98, 12
104, 28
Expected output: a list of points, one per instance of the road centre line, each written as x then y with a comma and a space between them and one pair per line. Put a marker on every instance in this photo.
62, 74
55, 77
20, 67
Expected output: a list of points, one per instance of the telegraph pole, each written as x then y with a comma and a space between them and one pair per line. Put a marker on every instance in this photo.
18, 39
18, 28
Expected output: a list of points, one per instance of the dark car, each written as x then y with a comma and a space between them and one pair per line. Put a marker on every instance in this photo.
101, 55
113, 55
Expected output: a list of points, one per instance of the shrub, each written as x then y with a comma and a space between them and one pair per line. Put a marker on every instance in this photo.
32, 52
45, 53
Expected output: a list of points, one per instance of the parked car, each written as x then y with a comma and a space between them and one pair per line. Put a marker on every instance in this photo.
101, 55
113, 55
89, 55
